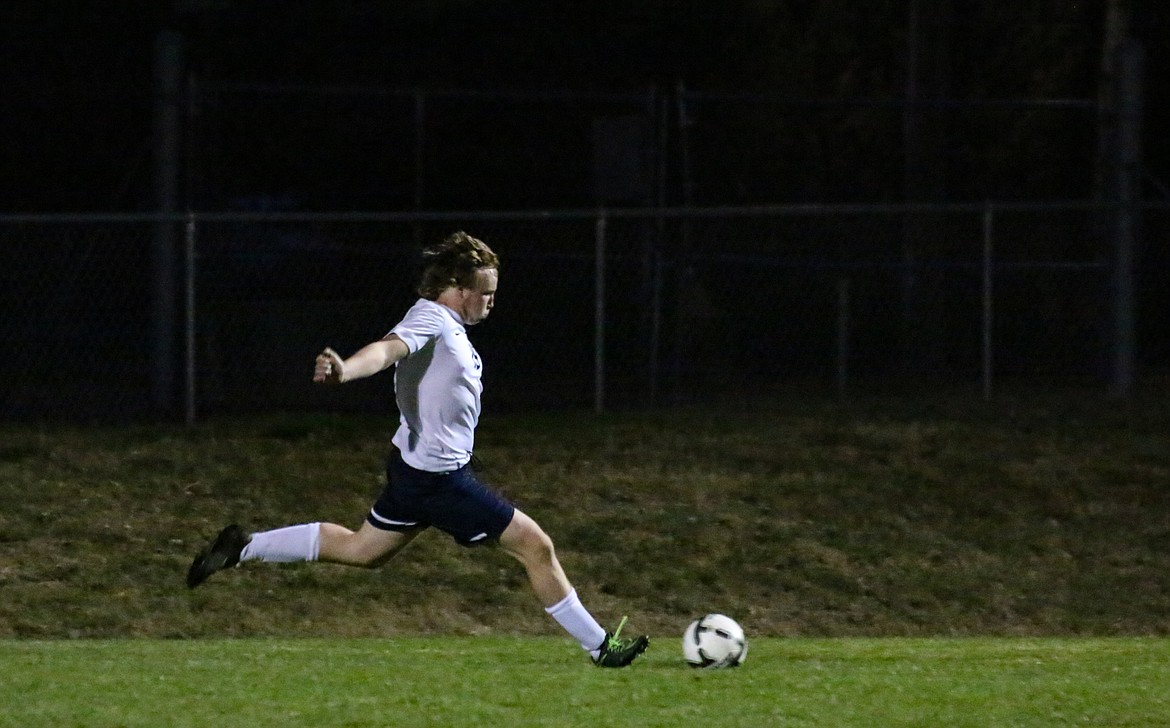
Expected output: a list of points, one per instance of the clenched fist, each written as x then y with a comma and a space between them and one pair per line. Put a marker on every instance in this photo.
330, 368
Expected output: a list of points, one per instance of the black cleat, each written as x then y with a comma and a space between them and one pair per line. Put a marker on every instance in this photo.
618, 652
223, 553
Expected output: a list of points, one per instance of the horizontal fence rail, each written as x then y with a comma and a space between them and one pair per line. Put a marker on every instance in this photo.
127, 316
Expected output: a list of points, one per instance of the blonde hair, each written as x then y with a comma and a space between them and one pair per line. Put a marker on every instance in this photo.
453, 261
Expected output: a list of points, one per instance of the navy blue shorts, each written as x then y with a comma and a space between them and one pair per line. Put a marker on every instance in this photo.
454, 502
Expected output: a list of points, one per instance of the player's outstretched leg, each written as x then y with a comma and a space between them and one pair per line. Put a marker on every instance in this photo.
222, 553
619, 652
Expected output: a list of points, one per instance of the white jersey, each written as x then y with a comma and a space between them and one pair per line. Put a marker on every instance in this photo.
437, 387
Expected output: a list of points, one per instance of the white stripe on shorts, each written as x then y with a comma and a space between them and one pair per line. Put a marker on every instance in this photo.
390, 522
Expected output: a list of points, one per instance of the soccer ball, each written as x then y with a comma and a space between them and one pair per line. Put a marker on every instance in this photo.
714, 641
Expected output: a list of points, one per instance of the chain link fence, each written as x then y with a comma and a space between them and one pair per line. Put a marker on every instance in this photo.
144, 316
269, 147
847, 149
328, 148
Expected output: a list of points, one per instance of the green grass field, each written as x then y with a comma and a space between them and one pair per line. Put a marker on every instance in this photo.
530, 681
931, 562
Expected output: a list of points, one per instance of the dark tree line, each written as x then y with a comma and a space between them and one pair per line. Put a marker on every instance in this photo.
82, 80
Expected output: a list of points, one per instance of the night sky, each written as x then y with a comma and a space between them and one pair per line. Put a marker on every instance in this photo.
77, 118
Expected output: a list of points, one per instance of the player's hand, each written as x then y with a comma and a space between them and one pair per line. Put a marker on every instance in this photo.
330, 368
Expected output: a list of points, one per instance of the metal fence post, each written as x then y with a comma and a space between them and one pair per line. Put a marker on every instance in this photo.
599, 315
842, 336
1128, 175
655, 271
167, 74
189, 409
988, 300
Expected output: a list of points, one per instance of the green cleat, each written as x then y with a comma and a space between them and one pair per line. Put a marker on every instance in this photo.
618, 652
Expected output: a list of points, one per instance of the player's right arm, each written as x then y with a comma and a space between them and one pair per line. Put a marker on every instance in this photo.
369, 360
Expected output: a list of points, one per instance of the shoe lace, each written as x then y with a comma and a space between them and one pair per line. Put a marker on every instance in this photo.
615, 642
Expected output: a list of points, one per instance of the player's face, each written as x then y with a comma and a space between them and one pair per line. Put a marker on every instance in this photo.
477, 301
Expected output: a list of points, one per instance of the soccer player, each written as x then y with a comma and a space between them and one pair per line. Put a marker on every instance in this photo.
429, 478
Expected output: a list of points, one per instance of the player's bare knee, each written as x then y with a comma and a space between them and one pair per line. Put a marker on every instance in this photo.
539, 548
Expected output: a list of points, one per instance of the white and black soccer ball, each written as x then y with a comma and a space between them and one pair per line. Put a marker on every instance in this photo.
714, 641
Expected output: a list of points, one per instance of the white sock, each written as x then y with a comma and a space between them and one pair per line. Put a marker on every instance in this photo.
578, 622
293, 543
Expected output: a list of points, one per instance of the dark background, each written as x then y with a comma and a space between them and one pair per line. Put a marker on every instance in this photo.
311, 107
78, 109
